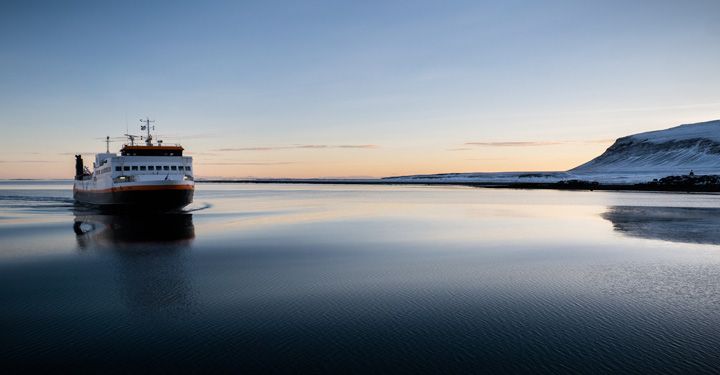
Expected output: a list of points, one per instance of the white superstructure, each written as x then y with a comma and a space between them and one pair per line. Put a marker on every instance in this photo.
149, 175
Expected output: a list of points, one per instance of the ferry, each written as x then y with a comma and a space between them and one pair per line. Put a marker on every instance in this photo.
150, 176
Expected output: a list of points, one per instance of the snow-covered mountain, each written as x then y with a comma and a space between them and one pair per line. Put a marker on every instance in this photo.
631, 159
671, 151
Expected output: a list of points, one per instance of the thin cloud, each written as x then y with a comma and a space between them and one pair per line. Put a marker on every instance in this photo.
250, 163
28, 161
298, 147
200, 153
358, 146
606, 140
77, 153
310, 146
247, 149
513, 143
530, 143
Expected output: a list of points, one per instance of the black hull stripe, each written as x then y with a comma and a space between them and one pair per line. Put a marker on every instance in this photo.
150, 199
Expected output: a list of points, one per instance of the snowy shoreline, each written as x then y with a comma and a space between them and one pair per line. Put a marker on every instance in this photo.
686, 183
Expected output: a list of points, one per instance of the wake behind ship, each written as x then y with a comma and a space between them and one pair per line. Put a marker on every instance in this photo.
143, 177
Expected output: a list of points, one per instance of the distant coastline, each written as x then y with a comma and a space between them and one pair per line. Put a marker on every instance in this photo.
685, 183
680, 184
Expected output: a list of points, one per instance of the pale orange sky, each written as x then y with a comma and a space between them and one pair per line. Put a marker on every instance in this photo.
218, 156
379, 162
307, 161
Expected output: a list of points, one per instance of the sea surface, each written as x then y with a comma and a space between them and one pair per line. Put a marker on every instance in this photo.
362, 279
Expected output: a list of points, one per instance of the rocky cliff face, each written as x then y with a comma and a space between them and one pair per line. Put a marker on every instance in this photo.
675, 150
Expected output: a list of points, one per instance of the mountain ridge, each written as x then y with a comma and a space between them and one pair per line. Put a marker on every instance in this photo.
677, 149
635, 158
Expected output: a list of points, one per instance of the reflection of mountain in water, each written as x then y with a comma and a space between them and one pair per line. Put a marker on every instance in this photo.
150, 254
676, 224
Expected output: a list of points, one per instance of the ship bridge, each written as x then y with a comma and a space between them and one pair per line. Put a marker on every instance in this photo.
149, 149
132, 150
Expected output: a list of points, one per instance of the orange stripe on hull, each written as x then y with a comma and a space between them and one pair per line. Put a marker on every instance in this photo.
141, 188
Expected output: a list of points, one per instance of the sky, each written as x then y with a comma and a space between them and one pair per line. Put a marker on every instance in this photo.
351, 88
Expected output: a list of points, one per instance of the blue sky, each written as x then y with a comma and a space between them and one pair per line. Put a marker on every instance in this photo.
413, 86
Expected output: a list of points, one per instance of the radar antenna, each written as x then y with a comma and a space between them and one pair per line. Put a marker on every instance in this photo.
131, 138
147, 126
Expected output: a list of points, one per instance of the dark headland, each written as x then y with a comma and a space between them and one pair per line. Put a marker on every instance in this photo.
683, 183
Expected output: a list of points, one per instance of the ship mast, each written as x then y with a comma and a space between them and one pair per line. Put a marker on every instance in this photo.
147, 121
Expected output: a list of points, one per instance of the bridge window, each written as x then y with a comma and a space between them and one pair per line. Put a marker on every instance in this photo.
134, 168
166, 168
187, 168
151, 167
158, 168
126, 168
118, 169
142, 167
174, 168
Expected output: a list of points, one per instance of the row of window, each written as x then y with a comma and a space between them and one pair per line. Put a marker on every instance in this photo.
153, 168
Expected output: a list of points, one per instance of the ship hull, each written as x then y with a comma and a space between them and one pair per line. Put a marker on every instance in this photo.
152, 198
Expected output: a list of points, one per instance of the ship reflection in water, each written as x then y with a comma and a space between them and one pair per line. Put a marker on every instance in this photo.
676, 224
150, 253
94, 228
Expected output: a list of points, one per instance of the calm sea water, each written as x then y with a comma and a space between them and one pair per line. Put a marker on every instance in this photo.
362, 279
